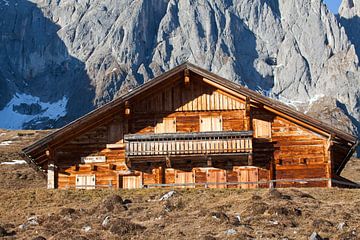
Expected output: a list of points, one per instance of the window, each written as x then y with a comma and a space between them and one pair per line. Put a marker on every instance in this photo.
262, 128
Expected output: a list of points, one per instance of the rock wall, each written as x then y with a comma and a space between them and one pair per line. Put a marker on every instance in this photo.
91, 51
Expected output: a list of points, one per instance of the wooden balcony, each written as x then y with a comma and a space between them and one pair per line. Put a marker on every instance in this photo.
188, 144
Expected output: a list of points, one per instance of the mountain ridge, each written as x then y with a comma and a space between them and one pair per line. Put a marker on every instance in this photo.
89, 52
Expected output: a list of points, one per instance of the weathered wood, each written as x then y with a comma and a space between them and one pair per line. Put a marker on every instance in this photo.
191, 129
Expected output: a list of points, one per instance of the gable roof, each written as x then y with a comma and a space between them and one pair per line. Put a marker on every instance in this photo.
270, 104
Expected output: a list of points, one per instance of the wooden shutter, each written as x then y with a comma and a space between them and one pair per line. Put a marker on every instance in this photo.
85, 181
262, 129
131, 182
248, 175
210, 123
184, 177
166, 125
216, 176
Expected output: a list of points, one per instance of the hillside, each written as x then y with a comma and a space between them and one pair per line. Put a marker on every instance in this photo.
28, 210
61, 59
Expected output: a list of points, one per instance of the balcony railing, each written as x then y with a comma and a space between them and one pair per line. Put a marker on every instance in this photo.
179, 144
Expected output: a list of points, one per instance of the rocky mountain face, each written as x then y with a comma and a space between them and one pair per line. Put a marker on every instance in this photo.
60, 59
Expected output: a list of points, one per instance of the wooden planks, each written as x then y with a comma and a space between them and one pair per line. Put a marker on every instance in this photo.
196, 96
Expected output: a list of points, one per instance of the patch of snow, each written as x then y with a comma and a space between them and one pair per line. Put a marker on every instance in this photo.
6, 143
298, 103
2, 134
13, 120
14, 162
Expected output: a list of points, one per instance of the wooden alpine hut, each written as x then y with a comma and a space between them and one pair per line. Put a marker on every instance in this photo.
191, 128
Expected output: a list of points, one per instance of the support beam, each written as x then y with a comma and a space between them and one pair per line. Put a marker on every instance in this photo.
250, 159
209, 162
168, 162
51, 171
329, 162
127, 108
128, 163
272, 173
187, 77
247, 114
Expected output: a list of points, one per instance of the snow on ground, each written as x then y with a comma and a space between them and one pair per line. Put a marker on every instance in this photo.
13, 120
14, 162
5, 143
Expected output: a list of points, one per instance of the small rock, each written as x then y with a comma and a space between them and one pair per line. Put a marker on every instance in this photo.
23, 177
86, 228
127, 201
22, 226
341, 226
237, 220
274, 222
33, 220
297, 211
315, 236
167, 195
230, 232
106, 222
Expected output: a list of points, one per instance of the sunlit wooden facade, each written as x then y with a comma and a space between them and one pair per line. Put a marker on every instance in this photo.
191, 128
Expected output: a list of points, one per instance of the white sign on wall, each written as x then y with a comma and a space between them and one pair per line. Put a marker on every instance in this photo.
93, 159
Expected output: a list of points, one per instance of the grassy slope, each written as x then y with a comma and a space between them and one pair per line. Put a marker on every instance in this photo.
189, 214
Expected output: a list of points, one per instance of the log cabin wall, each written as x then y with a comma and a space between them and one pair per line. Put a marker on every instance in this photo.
281, 148
93, 143
299, 154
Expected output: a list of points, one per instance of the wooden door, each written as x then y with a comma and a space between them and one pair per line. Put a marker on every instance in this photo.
184, 177
216, 176
248, 175
166, 125
131, 182
85, 181
210, 123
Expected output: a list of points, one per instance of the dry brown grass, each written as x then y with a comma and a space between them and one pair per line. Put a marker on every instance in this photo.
189, 214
